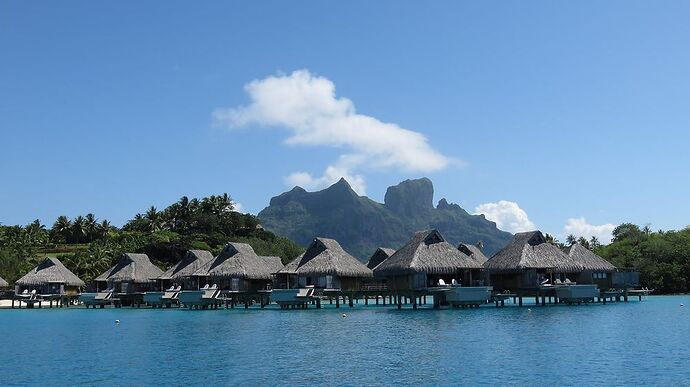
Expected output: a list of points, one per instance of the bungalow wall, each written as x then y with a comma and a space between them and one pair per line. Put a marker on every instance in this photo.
419, 281
128, 286
236, 284
49, 288
604, 280
187, 283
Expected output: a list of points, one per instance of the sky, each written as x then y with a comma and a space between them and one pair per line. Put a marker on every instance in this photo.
569, 117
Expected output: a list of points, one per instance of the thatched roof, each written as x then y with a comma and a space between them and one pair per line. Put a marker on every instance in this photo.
426, 252
291, 267
324, 256
239, 260
51, 270
530, 250
588, 260
3, 283
190, 263
132, 267
380, 255
473, 251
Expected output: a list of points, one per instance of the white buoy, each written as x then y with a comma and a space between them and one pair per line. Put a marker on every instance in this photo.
344, 315
117, 321
529, 310
681, 304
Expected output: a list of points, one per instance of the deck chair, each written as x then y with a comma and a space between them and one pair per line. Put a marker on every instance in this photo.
205, 287
214, 286
454, 282
441, 282
568, 282
557, 281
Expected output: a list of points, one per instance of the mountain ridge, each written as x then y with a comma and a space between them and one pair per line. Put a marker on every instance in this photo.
361, 224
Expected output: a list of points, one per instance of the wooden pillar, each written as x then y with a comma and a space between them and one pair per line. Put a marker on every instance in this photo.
399, 301
337, 301
414, 301
318, 303
366, 300
437, 301
351, 303
520, 301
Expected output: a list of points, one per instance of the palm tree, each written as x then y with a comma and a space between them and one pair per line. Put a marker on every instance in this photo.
153, 219
78, 229
103, 228
62, 228
91, 227
570, 240
594, 243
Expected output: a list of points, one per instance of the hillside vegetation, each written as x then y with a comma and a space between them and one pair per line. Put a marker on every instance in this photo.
88, 246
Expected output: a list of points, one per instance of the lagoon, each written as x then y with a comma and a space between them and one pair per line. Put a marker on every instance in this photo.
634, 343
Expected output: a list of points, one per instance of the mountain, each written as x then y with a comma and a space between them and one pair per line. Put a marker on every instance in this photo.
361, 224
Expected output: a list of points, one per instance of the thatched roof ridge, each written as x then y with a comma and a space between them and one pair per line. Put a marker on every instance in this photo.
380, 255
192, 261
3, 283
473, 251
325, 256
588, 260
132, 267
530, 250
291, 267
426, 252
239, 260
51, 270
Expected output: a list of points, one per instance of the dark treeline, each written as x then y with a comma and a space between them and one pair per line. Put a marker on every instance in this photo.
662, 258
89, 246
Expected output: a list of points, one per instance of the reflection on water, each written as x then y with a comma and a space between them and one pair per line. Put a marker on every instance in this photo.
634, 343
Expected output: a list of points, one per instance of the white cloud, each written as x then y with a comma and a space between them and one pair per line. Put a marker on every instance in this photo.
306, 105
507, 215
579, 227
237, 207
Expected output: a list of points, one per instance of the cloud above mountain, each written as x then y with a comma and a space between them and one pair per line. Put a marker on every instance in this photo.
580, 228
507, 215
307, 107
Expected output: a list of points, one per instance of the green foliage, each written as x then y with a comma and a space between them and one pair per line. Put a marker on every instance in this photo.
89, 247
662, 258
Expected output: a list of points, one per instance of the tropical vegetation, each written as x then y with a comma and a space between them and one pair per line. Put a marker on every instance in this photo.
88, 246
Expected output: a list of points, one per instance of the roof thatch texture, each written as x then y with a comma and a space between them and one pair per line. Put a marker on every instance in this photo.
473, 251
325, 256
238, 260
530, 250
380, 255
291, 267
588, 260
51, 270
3, 283
426, 252
132, 267
190, 263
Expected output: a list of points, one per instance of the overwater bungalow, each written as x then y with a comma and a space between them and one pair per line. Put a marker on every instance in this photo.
531, 266
473, 251
593, 268
50, 281
427, 264
129, 279
183, 273
179, 277
324, 267
239, 275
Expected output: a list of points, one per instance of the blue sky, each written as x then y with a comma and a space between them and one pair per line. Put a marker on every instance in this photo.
563, 110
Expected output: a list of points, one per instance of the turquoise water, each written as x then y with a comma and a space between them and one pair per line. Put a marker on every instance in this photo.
635, 343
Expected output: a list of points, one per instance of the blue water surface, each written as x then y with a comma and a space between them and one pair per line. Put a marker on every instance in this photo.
634, 343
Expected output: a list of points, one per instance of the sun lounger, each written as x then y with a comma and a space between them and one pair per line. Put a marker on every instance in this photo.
455, 282
441, 282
